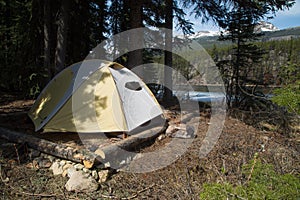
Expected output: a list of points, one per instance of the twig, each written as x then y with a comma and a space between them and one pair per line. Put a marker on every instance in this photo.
252, 167
237, 196
33, 194
138, 192
2, 179
189, 187
17, 153
39, 195
128, 198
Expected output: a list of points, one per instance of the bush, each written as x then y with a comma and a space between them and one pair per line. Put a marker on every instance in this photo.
263, 183
289, 97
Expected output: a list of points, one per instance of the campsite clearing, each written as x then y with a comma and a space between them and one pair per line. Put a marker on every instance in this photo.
183, 179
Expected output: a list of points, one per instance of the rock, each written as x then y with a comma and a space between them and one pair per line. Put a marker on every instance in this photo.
67, 166
34, 153
71, 171
95, 174
161, 137
62, 162
88, 164
56, 168
183, 134
29, 165
190, 130
80, 183
78, 166
85, 170
43, 162
35, 164
171, 129
181, 126
65, 173
103, 175
51, 158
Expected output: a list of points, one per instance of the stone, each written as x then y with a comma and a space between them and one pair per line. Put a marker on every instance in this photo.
85, 170
56, 168
95, 174
34, 153
78, 166
65, 173
183, 134
161, 137
51, 158
88, 164
103, 175
35, 164
67, 166
80, 183
190, 130
62, 162
71, 171
43, 162
171, 129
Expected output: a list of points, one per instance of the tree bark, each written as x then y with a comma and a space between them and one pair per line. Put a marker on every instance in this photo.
168, 52
47, 21
135, 58
63, 25
48, 147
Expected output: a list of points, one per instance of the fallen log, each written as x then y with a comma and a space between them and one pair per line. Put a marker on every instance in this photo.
88, 158
129, 143
48, 147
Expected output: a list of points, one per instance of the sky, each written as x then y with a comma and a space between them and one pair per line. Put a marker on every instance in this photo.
282, 20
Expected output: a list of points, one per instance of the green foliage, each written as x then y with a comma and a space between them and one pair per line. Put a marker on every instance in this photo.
264, 183
289, 97
289, 94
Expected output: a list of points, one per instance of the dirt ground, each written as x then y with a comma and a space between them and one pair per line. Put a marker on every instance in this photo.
183, 179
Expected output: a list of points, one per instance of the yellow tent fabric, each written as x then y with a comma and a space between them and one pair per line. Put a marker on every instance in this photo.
85, 97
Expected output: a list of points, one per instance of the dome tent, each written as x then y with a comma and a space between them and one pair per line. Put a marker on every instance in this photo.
94, 96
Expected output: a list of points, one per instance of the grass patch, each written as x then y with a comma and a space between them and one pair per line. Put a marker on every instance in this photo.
261, 182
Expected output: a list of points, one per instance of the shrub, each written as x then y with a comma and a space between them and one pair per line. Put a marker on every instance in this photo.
263, 183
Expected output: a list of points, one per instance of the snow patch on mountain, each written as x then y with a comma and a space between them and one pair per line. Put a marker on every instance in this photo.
262, 26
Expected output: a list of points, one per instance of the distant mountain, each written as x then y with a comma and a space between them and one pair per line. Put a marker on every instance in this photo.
270, 32
262, 26
201, 34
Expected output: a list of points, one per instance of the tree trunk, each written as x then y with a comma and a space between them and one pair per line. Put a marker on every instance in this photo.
47, 20
168, 53
46, 146
135, 58
63, 25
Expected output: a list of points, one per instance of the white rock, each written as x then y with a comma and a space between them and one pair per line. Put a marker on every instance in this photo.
67, 166
71, 171
161, 137
80, 183
56, 168
65, 173
85, 170
95, 174
171, 129
103, 175
137, 156
51, 158
62, 162
79, 166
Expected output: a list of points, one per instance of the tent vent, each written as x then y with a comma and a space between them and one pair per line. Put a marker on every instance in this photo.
133, 86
